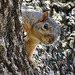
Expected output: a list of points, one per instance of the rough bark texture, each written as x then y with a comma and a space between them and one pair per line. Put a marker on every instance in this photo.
57, 60
13, 59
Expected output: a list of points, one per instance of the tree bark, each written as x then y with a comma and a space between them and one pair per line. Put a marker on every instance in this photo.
13, 59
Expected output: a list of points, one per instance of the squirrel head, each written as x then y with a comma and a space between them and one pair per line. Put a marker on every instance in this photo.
47, 30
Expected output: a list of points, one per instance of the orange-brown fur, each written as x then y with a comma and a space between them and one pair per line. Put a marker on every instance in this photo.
34, 23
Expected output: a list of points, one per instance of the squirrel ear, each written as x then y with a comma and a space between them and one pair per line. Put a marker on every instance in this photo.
44, 17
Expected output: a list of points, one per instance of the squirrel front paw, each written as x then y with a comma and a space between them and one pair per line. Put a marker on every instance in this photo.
33, 64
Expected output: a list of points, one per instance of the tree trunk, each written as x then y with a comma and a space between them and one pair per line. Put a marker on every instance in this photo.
13, 59
58, 61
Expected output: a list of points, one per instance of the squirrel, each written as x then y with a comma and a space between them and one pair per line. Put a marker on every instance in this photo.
39, 28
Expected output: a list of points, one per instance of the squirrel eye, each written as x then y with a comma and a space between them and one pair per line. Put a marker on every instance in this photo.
46, 26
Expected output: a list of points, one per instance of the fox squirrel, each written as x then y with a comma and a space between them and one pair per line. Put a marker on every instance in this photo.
39, 27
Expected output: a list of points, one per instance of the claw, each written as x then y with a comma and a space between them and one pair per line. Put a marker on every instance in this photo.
36, 69
33, 65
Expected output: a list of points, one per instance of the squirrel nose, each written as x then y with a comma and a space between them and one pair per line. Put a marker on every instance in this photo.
52, 39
